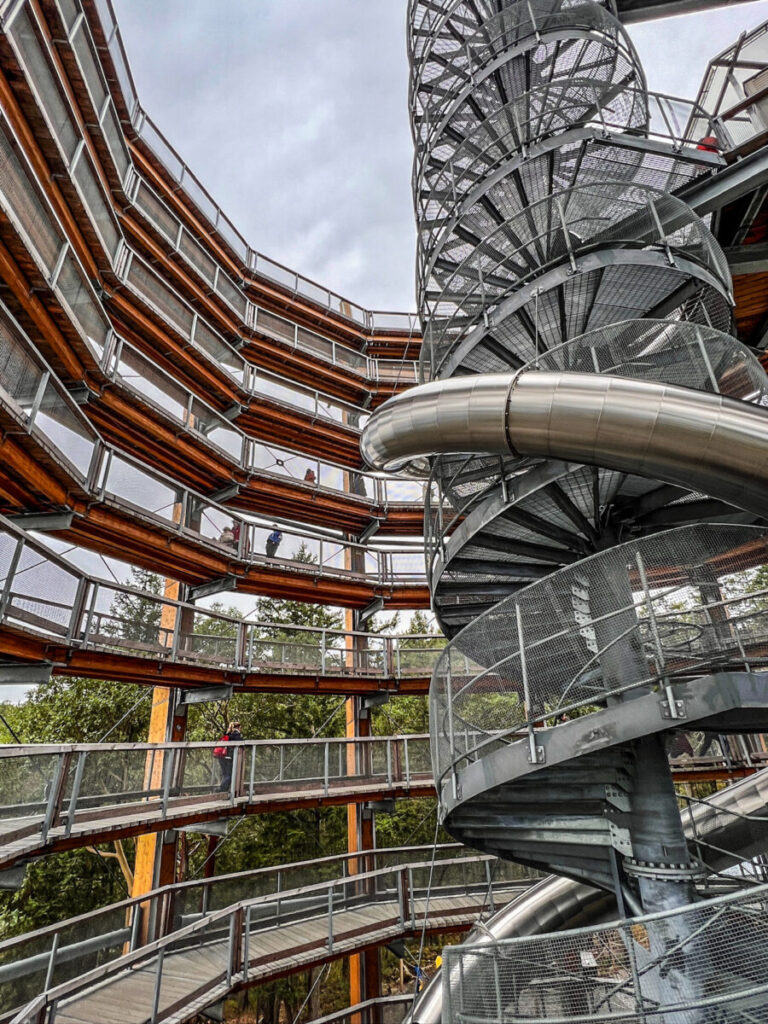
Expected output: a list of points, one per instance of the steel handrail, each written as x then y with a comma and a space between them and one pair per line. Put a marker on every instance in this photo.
390, 648
239, 914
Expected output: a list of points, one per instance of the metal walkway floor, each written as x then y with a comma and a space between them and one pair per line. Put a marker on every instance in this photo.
194, 978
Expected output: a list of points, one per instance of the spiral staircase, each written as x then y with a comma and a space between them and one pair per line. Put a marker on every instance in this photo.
597, 466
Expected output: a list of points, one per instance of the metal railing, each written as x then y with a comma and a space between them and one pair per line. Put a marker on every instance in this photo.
66, 792
42, 408
252, 316
131, 369
705, 961
735, 88
77, 162
225, 915
685, 603
254, 262
46, 241
79, 41
56, 792
384, 1010
82, 613
32, 52
694, 356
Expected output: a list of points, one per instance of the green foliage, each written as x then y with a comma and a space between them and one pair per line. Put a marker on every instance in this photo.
137, 617
60, 886
75, 710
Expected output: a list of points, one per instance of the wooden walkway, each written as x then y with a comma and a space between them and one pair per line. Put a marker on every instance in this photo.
20, 838
195, 978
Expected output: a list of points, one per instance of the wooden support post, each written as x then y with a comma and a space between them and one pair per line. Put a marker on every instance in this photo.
364, 969
156, 852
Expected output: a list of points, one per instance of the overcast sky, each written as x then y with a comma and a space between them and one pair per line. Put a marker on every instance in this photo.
294, 115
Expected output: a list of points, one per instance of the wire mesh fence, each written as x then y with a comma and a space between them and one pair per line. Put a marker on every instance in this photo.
706, 962
680, 604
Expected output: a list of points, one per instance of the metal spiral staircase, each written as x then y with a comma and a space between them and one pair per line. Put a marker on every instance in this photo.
585, 398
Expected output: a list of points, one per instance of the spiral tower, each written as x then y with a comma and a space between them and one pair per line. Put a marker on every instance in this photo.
596, 444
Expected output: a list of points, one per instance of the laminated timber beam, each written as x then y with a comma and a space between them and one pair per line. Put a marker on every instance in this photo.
145, 670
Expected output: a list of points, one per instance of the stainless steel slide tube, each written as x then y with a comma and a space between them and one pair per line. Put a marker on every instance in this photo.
692, 439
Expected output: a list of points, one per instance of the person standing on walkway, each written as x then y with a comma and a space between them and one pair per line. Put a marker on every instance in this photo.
226, 754
273, 542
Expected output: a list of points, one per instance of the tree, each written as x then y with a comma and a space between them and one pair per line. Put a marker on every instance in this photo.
419, 649
134, 616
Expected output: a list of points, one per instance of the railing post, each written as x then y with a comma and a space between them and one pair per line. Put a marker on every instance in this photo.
235, 771
78, 606
249, 663
402, 897
176, 638
167, 775
241, 642
412, 898
670, 693
135, 927
51, 962
12, 567
246, 942
451, 730
158, 983
326, 766
56, 794
86, 631
534, 755
252, 774
233, 953
75, 793
330, 919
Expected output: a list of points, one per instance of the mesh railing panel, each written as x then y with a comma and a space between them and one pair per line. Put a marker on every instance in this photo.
592, 629
707, 962
19, 196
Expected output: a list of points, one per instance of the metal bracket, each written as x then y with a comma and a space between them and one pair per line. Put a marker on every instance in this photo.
80, 393
214, 587
215, 1012
224, 493
43, 521
540, 756
207, 828
375, 606
12, 879
233, 411
368, 532
673, 709
617, 798
380, 806
620, 840
375, 700
25, 673
206, 694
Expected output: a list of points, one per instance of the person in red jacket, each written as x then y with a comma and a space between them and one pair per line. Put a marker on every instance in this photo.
224, 754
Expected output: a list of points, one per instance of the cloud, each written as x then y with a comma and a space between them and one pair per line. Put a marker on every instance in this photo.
294, 114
